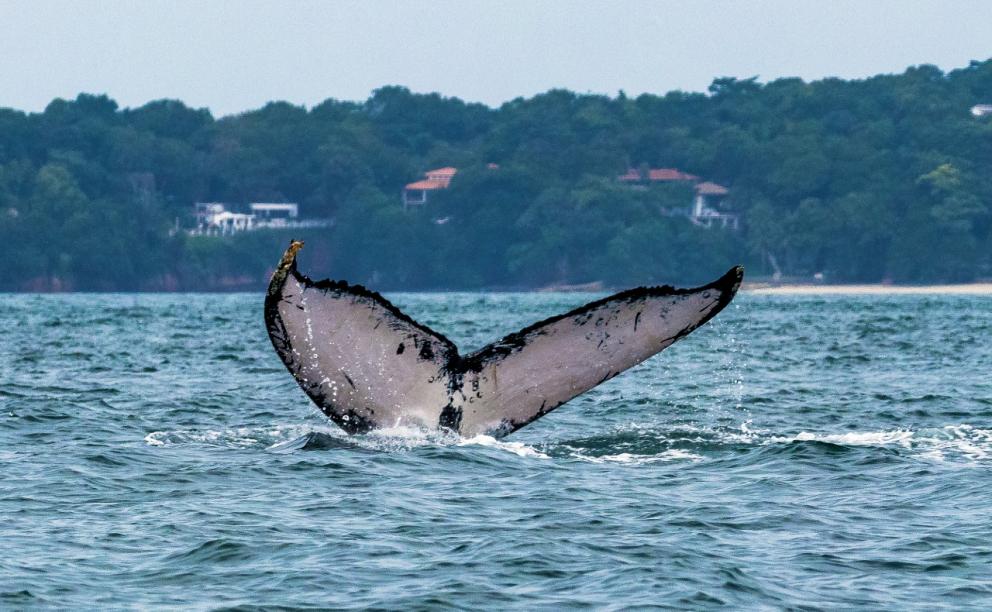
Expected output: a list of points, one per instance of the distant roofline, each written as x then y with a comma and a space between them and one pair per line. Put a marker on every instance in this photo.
439, 178
709, 188
448, 170
427, 184
658, 174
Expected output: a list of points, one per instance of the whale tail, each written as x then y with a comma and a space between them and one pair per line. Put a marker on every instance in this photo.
367, 365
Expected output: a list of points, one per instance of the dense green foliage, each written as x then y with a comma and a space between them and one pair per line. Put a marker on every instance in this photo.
886, 178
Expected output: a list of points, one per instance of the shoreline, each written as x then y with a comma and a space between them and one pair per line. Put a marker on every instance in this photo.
868, 289
754, 288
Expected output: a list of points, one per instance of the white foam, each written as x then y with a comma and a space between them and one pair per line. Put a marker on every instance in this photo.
235, 437
969, 441
944, 444
402, 438
153, 439
396, 438
951, 443
695, 433
902, 437
517, 448
240, 437
674, 454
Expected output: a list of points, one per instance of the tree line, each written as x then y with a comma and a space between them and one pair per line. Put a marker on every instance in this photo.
887, 178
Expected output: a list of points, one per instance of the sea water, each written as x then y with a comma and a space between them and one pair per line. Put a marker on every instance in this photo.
796, 452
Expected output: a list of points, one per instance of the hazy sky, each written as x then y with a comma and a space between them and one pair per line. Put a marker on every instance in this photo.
232, 56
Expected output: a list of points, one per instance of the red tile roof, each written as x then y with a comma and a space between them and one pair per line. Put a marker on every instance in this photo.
659, 174
709, 188
439, 178
428, 184
446, 172
670, 174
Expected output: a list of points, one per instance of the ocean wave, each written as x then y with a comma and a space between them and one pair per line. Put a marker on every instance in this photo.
640, 443
292, 438
674, 454
240, 437
952, 442
516, 448
633, 443
900, 437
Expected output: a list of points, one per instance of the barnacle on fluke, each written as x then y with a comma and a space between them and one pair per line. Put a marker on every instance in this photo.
347, 348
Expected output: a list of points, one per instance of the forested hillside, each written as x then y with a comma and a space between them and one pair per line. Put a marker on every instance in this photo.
887, 178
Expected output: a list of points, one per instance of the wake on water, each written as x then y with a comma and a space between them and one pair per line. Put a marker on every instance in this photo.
632, 444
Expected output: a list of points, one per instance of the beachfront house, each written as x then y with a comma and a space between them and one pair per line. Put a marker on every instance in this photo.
708, 205
415, 194
204, 211
274, 214
214, 219
219, 218
656, 175
706, 208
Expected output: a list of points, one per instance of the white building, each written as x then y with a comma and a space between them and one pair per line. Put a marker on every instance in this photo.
216, 218
705, 210
213, 218
415, 194
228, 222
981, 110
205, 211
274, 214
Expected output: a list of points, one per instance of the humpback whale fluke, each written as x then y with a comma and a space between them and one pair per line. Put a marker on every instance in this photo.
367, 365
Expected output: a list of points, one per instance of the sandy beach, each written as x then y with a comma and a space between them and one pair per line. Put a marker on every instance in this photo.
876, 289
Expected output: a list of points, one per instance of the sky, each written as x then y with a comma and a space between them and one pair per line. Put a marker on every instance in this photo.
236, 56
